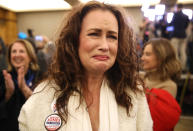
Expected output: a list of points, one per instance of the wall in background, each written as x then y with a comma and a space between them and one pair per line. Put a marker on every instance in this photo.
135, 17
47, 22
42, 23
8, 26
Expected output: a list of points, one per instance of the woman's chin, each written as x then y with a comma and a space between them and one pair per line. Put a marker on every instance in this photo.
18, 66
101, 68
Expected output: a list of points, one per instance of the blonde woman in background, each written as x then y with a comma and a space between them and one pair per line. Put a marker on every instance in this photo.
162, 70
16, 82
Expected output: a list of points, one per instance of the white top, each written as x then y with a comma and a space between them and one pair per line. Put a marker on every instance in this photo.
40, 105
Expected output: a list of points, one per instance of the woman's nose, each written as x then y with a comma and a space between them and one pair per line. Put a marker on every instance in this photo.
142, 57
16, 53
104, 46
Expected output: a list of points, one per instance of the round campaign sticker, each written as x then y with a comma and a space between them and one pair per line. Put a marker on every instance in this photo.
53, 122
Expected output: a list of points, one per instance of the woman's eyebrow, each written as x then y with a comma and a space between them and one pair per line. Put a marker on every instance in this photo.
113, 32
94, 29
99, 30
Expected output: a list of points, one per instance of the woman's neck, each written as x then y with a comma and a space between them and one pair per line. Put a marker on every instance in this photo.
152, 74
94, 82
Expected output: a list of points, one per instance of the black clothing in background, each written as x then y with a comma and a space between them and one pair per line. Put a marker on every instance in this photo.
3, 64
42, 64
180, 22
9, 111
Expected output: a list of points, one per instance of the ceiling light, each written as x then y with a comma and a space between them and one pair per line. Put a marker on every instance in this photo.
34, 5
126, 2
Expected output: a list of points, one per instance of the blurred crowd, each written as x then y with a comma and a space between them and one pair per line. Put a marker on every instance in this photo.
179, 31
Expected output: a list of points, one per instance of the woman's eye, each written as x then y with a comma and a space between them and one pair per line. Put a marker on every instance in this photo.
147, 54
21, 51
112, 37
13, 51
93, 34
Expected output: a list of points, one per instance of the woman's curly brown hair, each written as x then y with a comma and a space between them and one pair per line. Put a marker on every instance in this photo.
68, 72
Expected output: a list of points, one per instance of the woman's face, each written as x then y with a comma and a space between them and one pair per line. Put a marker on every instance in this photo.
149, 60
98, 41
19, 56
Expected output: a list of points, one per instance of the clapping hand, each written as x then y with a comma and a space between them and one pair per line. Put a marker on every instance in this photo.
21, 82
21, 77
9, 84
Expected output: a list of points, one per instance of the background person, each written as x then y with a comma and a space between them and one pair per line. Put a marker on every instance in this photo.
3, 50
94, 84
41, 43
162, 69
16, 83
180, 23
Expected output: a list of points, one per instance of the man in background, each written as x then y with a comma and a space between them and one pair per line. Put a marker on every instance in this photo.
180, 23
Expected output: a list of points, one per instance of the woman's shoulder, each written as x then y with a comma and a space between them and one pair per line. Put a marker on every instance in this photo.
38, 106
45, 87
139, 111
169, 83
170, 86
142, 74
43, 94
137, 94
